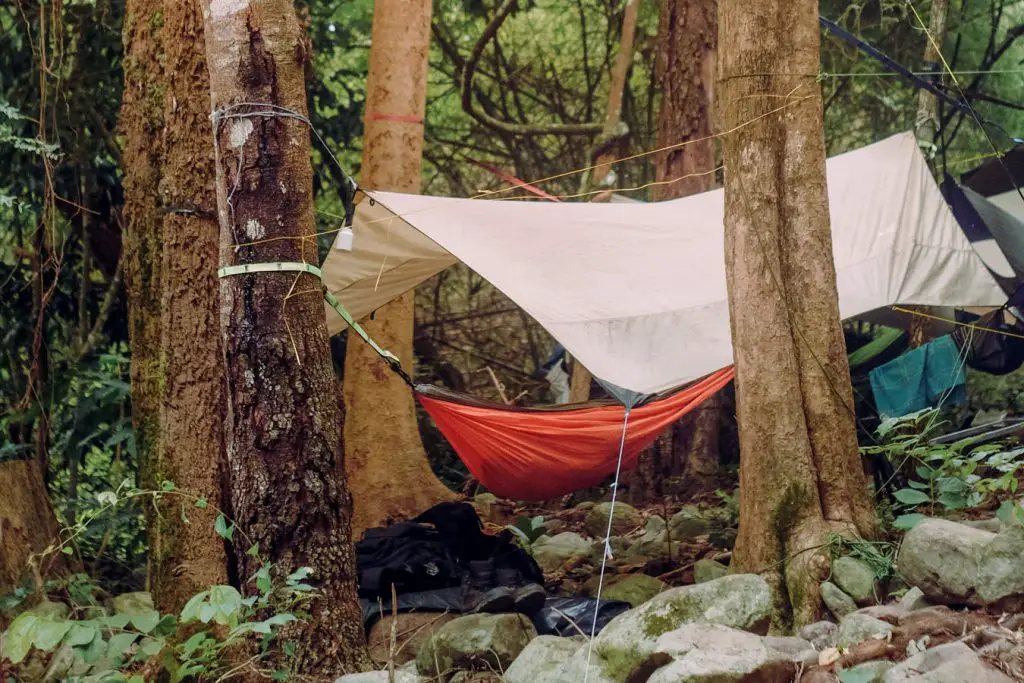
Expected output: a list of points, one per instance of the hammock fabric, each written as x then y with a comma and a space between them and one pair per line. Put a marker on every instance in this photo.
541, 453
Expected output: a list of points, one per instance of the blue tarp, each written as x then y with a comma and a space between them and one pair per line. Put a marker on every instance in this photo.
928, 376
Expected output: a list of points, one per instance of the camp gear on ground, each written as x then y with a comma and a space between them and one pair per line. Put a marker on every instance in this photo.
928, 376
479, 592
529, 597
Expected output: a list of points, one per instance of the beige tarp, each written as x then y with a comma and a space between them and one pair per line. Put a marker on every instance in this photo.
636, 291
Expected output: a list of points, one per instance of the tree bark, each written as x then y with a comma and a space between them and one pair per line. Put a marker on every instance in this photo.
685, 460
141, 123
191, 556
927, 125
27, 526
685, 71
388, 470
177, 365
284, 419
800, 471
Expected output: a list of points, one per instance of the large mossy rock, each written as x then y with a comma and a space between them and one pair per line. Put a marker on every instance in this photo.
542, 658
412, 631
627, 518
741, 601
956, 564
475, 642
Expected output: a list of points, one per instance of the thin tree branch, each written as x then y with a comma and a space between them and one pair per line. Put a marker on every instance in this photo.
469, 70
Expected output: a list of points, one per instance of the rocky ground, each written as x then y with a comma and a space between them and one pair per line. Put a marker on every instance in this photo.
952, 613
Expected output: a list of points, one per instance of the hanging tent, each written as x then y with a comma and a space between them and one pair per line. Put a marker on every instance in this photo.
636, 291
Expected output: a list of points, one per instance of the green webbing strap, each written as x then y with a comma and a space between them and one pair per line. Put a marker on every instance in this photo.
332, 301
276, 267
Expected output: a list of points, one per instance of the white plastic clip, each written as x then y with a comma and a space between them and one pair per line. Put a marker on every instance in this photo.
343, 242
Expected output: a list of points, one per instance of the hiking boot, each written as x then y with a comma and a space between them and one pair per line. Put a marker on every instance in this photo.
529, 597
479, 594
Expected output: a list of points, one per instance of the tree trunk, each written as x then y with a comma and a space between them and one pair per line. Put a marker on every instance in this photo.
27, 526
800, 471
178, 378
927, 127
388, 470
284, 419
685, 70
579, 383
141, 124
687, 455
191, 556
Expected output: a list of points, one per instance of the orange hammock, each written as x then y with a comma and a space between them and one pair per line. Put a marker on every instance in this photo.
541, 453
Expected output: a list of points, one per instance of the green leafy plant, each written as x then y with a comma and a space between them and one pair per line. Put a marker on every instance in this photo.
528, 529
116, 646
945, 477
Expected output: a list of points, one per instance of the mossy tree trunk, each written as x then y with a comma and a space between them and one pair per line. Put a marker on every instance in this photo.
141, 123
177, 360
800, 472
388, 471
284, 419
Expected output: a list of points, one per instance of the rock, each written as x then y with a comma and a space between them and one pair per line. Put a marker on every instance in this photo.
708, 653
839, 603
796, 649
991, 525
655, 530
914, 599
380, 677
856, 628
541, 658
412, 631
870, 672
708, 570
741, 601
891, 613
477, 641
820, 634
620, 548
636, 589
476, 677
688, 523
585, 506
552, 552
951, 663
627, 518
133, 603
576, 669
645, 551
856, 579
956, 564
942, 559
1002, 566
